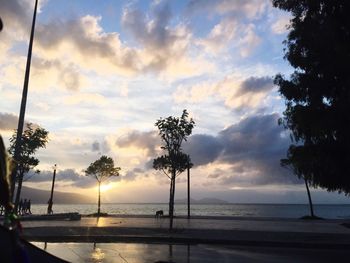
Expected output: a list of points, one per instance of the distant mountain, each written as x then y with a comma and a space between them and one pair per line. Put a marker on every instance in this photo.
202, 201
41, 197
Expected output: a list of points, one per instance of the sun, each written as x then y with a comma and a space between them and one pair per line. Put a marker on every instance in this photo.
106, 187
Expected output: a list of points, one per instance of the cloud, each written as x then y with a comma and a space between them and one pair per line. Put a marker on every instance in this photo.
8, 121
220, 36
236, 30
16, 12
280, 25
95, 146
249, 150
249, 41
246, 8
244, 154
133, 174
237, 93
148, 141
203, 149
82, 41
101, 147
164, 48
255, 84
66, 176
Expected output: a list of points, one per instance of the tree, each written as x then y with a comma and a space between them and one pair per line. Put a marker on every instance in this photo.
5, 196
102, 169
317, 94
32, 139
173, 131
288, 163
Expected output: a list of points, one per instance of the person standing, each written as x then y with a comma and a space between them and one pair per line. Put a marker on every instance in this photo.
29, 206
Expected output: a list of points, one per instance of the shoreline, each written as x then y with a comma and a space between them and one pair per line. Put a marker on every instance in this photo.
211, 217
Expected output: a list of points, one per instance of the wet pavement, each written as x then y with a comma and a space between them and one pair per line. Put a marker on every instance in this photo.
140, 253
215, 223
295, 233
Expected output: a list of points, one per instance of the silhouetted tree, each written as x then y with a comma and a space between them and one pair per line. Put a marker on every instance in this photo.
288, 163
317, 94
102, 169
173, 131
32, 139
5, 196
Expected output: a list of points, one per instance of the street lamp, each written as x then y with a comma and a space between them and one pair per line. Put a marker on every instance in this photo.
50, 202
189, 165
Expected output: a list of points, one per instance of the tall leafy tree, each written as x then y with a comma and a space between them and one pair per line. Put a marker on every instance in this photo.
32, 139
173, 131
102, 169
317, 94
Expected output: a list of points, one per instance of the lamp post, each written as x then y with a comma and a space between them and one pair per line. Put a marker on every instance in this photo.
188, 187
50, 202
17, 152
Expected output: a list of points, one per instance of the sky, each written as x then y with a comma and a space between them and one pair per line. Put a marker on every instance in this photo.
103, 72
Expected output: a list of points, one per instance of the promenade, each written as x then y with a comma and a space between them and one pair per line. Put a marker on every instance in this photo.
297, 233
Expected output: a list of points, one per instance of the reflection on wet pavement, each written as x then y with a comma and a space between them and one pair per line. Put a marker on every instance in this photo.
140, 253
126, 252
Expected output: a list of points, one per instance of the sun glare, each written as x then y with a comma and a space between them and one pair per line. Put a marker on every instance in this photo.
106, 187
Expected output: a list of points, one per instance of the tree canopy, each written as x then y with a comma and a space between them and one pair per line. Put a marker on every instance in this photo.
102, 169
317, 94
173, 131
33, 138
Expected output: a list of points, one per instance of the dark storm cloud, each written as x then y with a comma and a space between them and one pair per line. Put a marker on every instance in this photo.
253, 147
255, 84
253, 137
8, 121
15, 12
202, 148
144, 140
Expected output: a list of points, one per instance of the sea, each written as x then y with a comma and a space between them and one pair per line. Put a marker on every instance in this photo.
333, 211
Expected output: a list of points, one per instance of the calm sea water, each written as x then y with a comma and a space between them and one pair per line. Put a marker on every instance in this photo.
239, 210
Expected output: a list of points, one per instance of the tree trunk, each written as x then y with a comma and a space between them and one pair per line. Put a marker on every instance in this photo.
99, 199
19, 189
188, 192
170, 191
310, 201
172, 195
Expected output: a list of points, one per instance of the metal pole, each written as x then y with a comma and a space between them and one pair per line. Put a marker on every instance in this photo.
188, 191
22, 111
50, 203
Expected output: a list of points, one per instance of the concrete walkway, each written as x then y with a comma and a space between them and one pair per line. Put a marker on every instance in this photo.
198, 230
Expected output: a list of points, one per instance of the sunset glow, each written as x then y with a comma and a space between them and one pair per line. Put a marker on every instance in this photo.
103, 72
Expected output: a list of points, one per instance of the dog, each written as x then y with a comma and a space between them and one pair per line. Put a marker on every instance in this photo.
159, 213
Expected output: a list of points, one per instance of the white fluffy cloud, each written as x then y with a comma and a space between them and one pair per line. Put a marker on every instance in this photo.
237, 93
